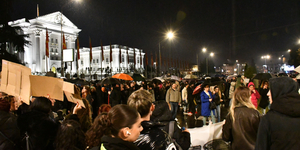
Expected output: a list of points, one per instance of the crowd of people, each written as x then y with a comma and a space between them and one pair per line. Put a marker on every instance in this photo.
144, 116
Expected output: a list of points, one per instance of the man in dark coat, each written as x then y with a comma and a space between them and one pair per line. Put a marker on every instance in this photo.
279, 128
115, 96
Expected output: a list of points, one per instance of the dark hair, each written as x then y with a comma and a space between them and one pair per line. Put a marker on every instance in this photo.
120, 116
88, 90
70, 136
4, 104
141, 100
41, 104
85, 115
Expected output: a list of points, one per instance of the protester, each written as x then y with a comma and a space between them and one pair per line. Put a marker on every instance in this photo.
9, 132
70, 136
115, 96
242, 122
218, 98
152, 137
173, 98
163, 115
86, 94
190, 99
279, 128
264, 101
206, 99
254, 94
119, 128
38, 130
184, 95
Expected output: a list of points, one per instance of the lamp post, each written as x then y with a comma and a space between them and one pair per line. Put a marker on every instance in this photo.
169, 36
206, 59
61, 36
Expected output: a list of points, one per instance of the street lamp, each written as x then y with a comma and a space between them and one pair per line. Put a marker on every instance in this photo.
289, 50
211, 54
169, 35
61, 36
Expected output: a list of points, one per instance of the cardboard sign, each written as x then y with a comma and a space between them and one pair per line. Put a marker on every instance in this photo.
68, 87
15, 80
47, 86
72, 99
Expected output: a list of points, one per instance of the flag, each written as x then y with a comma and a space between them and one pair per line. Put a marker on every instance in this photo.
102, 52
120, 57
146, 59
110, 53
127, 56
91, 55
134, 56
78, 53
151, 59
47, 43
64, 42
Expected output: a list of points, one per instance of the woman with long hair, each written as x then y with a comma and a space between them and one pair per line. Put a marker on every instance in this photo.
264, 101
117, 129
242, 122
218, 98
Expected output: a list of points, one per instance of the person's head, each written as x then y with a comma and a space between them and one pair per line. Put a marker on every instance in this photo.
281, 86
132, 84
70, 136
216, 89
294, 77
41, 104
4, 104
251, 86
86, 89
187, 85
206, 88
265, 84
103, 89
241, 97
174, 86
141, 100
104, 108
122, 121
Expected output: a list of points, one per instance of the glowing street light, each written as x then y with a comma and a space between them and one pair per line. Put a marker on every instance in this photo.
169, 35
211, 54
204, 50
289, 50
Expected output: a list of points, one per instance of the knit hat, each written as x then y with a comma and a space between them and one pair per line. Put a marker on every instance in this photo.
250, 84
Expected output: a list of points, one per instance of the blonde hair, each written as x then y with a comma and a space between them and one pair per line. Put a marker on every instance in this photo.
241, 97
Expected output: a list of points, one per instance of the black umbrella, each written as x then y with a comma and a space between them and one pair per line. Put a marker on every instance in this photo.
263, 76
138, 77
110, 81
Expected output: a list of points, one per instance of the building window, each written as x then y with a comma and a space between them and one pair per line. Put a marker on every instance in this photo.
82, 62
123, 59
55, 50
51, 49
97, 61
56, 41
106, 60
138, 60
51, 40
93, 61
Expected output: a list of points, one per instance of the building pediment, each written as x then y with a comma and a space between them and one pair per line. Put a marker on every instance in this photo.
55, 18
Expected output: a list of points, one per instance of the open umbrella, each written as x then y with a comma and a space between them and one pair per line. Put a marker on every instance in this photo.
263, 76
138, 77
190, 76
122, 76
197, 89
110, 81
175, 78
158, 80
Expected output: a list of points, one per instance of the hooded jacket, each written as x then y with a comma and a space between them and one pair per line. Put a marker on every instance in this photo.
279, 128
254, 96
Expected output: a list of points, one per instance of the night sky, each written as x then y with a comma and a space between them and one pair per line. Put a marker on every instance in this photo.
262, 27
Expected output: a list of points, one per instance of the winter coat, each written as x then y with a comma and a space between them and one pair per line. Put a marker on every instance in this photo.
231, 89
40, 128
173, 96
264, 101
254, 96
205, 110
243, 131
110, 143
279, 128
9, 128
184, 94
163, 115
152, 137
115, 97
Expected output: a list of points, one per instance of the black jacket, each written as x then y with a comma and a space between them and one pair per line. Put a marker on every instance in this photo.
243, 131
163, 115
264, 100
111, 143
40, 128
280, 127
115, 97
153, 138
9, 128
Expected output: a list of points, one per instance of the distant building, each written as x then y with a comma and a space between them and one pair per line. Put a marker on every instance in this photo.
56, 23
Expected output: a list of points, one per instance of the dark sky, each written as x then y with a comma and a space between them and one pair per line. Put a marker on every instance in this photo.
262, 27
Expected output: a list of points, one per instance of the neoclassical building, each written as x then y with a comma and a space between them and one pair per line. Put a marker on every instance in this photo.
56, 23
